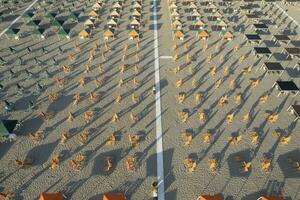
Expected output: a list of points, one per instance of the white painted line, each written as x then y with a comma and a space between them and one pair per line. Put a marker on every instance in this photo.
13, 22
166, 57
159, 145
286, 14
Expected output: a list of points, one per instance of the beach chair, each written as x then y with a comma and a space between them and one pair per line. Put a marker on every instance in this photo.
235, 139
24, 164
114, 197
111, 140
37, 136
202, 116
55, 161
246, 166
188, 137
134, 139
212, 164
207, 137
109, 164
254, 138
130, 163
64, 137
115, 117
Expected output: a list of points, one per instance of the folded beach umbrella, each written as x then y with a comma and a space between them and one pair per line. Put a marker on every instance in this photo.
51, 196
114, 197
7, 127
211, 197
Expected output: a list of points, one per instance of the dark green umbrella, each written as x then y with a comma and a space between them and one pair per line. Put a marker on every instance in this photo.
7, 127
39, 33
51, 15
12, 33
34, 22
58, 23
64, 33
28, 16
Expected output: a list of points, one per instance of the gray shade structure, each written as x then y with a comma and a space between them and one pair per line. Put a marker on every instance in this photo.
7, 127
75, 16
28, 16
58, 23
51, 16
34, 23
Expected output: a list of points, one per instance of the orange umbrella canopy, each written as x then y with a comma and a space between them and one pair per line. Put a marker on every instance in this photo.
51, 196
271, 198
114, 197
211, 197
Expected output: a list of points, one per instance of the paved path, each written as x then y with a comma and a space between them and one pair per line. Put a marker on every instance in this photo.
159, 145
13, 22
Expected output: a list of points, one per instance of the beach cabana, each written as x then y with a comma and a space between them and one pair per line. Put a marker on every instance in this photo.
51, 196
112, 23
12, 33
203, 35
211, 197
39, 33
114, 197
7, 127
133, 34
85, 33
64, 33
135, 24
270, 198
227, 35
109, 33
178, 34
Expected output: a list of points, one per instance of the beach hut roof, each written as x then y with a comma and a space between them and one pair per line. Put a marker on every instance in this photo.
271, 198
203, 34
93, 14
136, 13
135, 22
211, 197
179, 34
116, 5
111, 22
51, 196
114, 13
7, 127
114, 197
108, 33
88, 22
